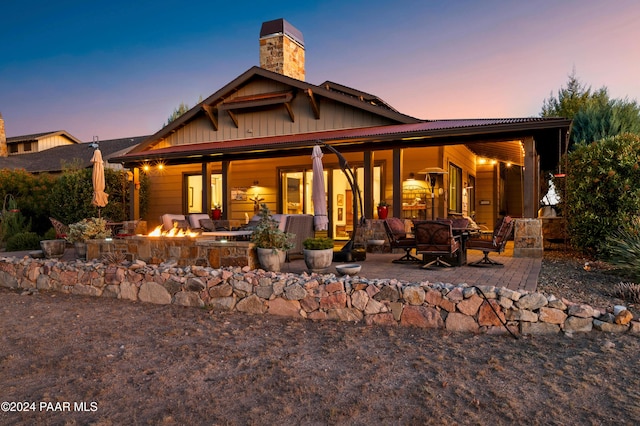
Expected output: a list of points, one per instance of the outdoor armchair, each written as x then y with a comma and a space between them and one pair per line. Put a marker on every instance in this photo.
435, 238
494, 242
398, 239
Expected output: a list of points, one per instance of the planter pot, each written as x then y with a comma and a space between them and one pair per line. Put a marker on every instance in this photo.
81, 250
270, 259
53, 248
383, 211
216, 214
318, 260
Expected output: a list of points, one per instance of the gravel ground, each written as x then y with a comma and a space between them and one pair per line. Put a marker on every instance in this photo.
582, 279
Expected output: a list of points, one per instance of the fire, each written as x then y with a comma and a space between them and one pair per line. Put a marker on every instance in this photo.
175, 232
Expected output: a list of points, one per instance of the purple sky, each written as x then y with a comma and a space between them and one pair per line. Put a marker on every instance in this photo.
119, 68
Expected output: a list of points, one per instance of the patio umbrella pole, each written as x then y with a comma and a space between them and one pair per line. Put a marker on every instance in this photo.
353, 183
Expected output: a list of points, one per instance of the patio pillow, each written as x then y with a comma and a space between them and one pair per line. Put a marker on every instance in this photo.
397, 227
181, 224
207, 225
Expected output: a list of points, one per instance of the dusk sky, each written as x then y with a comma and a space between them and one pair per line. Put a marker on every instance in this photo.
118, 68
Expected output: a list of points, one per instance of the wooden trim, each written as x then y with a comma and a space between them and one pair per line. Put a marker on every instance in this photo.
211, 113
233, 117
314, 104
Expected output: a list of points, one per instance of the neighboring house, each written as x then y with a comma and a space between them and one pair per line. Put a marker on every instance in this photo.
29, 144
251, 142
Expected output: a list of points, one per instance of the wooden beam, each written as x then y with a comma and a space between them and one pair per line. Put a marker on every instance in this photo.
211, 113
287, 105
233, 117
314, 104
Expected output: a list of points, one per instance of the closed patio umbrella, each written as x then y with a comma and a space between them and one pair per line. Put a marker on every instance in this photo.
100, 198
320, 220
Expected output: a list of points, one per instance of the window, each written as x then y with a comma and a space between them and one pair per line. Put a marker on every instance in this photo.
27, 147
471, 195
13, 148
455, 188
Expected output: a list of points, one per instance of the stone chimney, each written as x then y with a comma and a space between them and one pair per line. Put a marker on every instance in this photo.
4, 152
282, 49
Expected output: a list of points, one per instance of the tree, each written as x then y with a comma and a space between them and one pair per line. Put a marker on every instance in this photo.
177, 112
595, 116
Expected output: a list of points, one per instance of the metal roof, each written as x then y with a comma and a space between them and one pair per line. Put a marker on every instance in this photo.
426, 133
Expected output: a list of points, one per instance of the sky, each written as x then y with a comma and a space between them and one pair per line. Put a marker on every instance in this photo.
118, 68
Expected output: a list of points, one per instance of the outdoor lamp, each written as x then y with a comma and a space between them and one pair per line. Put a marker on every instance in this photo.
432, 174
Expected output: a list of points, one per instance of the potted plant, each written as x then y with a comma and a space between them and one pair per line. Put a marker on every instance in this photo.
93, 228
318, 253
383, 209
271, 242
216, 212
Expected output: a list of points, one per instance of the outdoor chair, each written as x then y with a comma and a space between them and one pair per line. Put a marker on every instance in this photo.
61, 229
398, 239
435, 238
301, 226
494, 242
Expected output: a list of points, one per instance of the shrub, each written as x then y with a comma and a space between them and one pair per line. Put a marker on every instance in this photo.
267, 234
320, 243
603, 190
623, 248
23, 241
627, 291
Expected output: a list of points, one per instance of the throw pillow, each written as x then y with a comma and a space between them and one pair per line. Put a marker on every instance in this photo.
181, 224
207, 225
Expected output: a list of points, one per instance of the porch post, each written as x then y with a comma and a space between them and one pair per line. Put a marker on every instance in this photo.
368, 183
396, 202
226, 191
206, 188
531, 187
134, 192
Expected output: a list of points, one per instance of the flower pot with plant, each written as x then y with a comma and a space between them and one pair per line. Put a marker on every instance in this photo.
318, 253
271, 242
216, 212
93, 228
383, 209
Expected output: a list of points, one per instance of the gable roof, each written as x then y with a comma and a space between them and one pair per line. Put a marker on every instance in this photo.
52, 160
38, 136
333, 91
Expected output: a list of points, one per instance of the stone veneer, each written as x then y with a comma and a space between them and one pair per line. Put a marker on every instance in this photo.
527, 238
386, 302
185, 251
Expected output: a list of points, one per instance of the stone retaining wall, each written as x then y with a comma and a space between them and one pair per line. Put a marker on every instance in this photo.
317, 297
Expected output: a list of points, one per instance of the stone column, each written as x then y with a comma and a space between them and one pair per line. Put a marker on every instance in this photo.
4, 152
527, 238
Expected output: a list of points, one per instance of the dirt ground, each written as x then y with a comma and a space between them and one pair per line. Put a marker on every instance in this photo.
68, 360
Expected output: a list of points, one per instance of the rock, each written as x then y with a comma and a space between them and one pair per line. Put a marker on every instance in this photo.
264, 291
195, 284
414, 295
396, 310
222, 290
374, 307
455, 295
551, 315
608, 327
634, 327
532, 301
387, 293
242, 287
421, 316
285, 308
151, 292
359, 299
487, 316
618, 308
188, 298
582, 311
334, 301
85, 290
344, 314
539, 328
295, 292
223, 303
521, 315
578, 324
310, 304
623, 317
380, 319
557, 304
253, 305
128, 291
461, 322
470, 306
